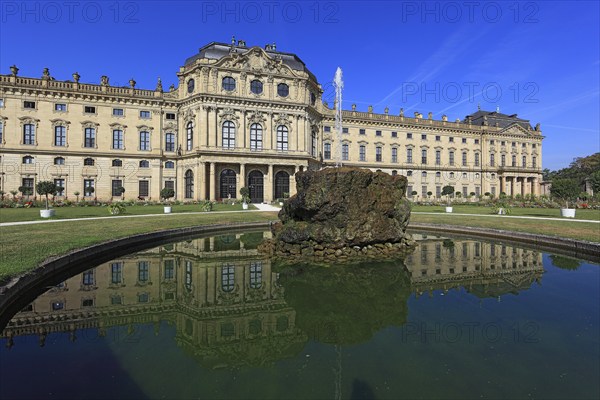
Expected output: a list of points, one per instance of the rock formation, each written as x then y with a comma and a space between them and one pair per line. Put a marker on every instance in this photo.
341, 213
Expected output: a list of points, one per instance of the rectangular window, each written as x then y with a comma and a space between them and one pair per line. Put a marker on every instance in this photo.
493, 191
377, 133
116, 187
394, 155
394, 134
438, 157
464, 140
476, 141
423, 156
524, 145
451, 139
409, 135
90, 137
533, 145
477, 159
503, 160
60, 136
88, 277
362, 153
362, 131
477, 190
409, 190
326, 129
464, 159
423, 137
409, 156
378, 155
117, 139
145, 114
465, 192
170, 116
169, 271
345, 152
29, 104
534, 162
438, 138
514, 161
327, 151
492, 142
169, 142
438, 191
116, 273
88, 187
1, 103
29, 134
60, 183
313, 147
451, 158
524, 162
89, 110
423, 192
60, 107
143, 271
514, 144
1, 131
28, 182
144, 188
144, 140
344, 130
118, 112
492, 160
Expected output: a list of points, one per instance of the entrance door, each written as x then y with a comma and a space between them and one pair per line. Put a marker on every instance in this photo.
255, 184
228, 184
282, 185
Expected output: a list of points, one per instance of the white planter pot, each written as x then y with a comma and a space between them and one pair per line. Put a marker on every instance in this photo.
167, 209
245, 206
567, 212
501, 211
281, 203
46, 213
448, 209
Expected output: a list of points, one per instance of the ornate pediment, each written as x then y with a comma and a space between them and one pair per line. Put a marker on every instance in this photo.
142, 128
256, 117
283, 119
189, 115
256, 60
229, 114
59, 122
515, 129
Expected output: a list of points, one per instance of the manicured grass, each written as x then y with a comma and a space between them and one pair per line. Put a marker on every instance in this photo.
22, 248
565, 229
33, 214
524, 212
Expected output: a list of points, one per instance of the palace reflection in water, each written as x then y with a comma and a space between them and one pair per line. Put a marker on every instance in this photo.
229, 307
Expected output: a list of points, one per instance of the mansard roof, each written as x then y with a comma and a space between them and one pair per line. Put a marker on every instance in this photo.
492, 117
216, 51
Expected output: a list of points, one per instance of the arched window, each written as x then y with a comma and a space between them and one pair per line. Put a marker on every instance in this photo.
228, 84
282, 185
228, 184
423, 174
256, 86
256, 135
394, 172
228, 135
438, 174
28, 160
227, 278
28, 134
256, 275
59, 161
169, 165
282, 138
117, 163
451, 175
189, 184
144, 164
190, 136
88, 161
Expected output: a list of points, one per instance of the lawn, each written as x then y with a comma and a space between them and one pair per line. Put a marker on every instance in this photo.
516, 211
33, 214
21, 249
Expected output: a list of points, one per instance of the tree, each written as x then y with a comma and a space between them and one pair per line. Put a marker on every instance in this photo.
167, 193
26, 190
429, 194
595, 182
447, 191
45, 188
120, 191
565, 189
245, 192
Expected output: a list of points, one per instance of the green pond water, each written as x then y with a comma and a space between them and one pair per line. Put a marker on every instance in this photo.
209, 318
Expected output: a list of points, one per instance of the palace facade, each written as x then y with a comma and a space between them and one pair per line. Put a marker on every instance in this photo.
242, 116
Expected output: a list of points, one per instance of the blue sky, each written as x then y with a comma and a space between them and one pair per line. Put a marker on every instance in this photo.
540, 60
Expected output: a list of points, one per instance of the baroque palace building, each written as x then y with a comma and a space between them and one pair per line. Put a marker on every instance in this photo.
242, 116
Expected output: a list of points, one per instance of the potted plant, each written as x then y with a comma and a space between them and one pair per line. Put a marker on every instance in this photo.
413, 194
45, 188
501, 208
245, 192
76, 193
116, 208
120, 191
14, 194
166, 194
447, 191
565, 190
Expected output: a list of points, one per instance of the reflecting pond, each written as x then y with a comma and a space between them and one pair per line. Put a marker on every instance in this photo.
209, 318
